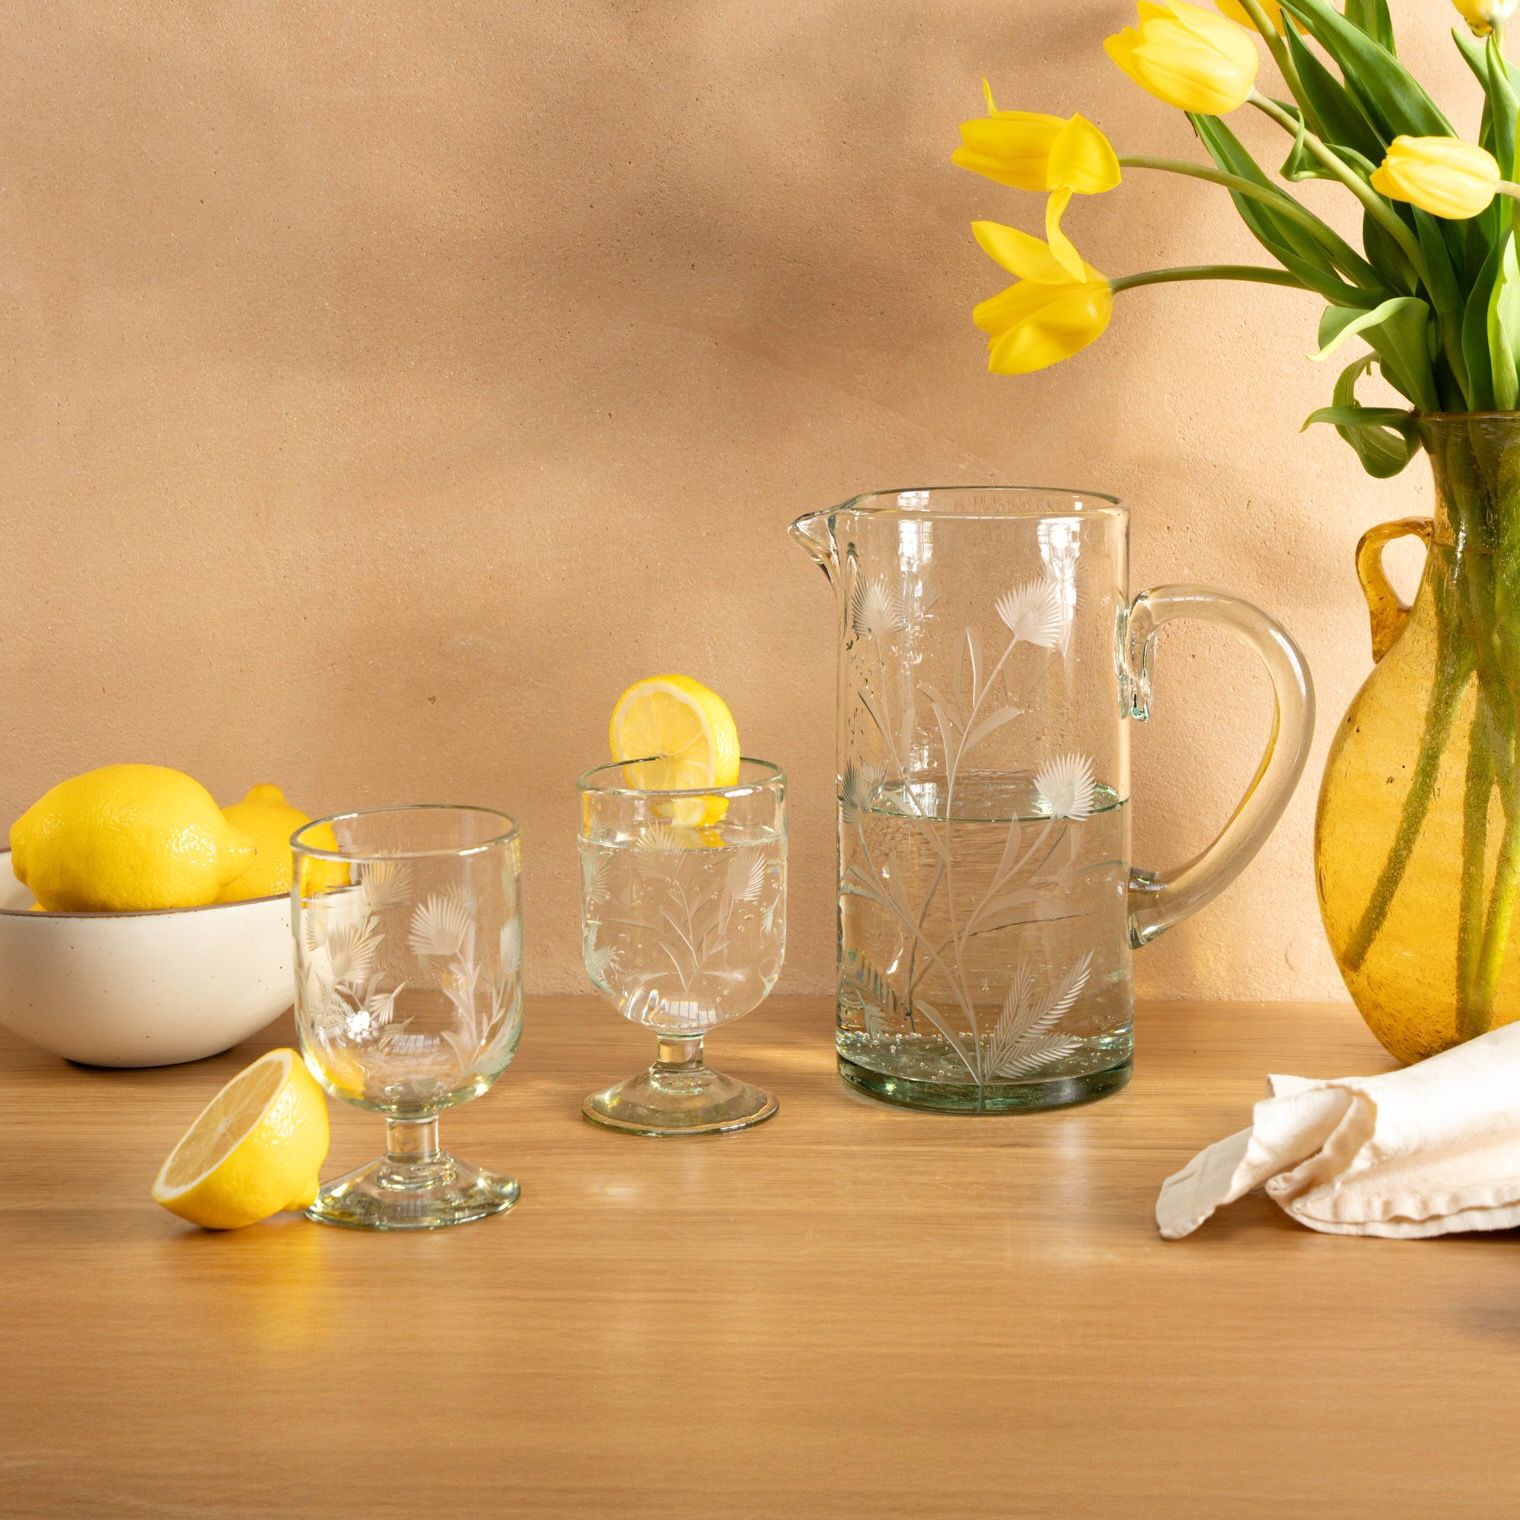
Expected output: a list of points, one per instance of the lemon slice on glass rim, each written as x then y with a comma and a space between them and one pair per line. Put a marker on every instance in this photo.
674, 734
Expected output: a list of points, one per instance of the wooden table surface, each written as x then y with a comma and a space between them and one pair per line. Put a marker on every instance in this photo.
853, 1310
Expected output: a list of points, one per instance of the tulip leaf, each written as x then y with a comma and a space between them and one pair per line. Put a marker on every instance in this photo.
1384, 438
1341, 119
1377, 435
1399, 333
1504, 327
1398, 417
1315, 261
1445, 293
1373, 18
1481, 56
1501, 99
1388, 258
1386, 91
1475, 350
1301, 164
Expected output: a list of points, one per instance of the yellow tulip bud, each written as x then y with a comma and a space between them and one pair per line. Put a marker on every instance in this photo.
1009, 147
1442, 175
1483, 15
1030, 151
1047, 315
1193, 59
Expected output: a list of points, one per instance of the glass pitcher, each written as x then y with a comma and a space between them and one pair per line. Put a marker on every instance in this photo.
990, 663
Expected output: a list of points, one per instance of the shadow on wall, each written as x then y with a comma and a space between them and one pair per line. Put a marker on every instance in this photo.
399, 388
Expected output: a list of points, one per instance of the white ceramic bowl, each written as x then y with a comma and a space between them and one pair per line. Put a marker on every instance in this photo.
141, 989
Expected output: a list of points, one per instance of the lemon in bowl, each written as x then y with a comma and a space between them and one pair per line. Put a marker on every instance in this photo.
127, 838
134, 960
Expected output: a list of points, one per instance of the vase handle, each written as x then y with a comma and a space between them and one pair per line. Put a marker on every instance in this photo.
1159, 899
1388, 613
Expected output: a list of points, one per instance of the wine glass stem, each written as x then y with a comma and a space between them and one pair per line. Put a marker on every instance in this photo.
678, 1054
411, 1143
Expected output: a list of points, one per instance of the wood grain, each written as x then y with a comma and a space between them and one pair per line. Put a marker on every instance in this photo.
853, 1310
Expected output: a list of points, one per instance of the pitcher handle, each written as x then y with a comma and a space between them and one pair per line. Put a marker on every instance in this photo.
1159, 899
1389, 615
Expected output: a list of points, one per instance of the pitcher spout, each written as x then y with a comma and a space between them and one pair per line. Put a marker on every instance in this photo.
815, 533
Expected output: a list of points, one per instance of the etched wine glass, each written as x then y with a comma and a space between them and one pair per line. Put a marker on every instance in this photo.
683, 920
409, 995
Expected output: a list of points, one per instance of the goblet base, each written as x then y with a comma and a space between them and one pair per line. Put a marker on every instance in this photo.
422, 1195
668, 1100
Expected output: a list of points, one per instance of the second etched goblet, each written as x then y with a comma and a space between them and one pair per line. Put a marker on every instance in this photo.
683, 916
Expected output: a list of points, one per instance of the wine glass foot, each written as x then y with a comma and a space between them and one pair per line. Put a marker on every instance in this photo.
428, 1195
662, 1101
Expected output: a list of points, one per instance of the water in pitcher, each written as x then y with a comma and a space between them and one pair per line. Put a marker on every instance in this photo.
984, 936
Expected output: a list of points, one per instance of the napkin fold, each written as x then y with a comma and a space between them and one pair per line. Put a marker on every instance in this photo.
1428, 1150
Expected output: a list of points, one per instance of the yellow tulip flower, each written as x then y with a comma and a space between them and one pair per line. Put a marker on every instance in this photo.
1442, 175
1237, 12
1193, 59
1047, 315
1031, 151
1483, 15
1011, 147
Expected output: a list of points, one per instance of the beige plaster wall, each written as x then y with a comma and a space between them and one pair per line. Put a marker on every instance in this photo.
385, 384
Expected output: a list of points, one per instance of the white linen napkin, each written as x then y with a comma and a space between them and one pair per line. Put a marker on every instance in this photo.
1428, 1150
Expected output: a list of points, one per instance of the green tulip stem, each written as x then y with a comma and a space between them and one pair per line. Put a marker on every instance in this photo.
1377, 208
1278, 48
1269, 195
1477, 1015
1452, 676
1477, 790
1252, 273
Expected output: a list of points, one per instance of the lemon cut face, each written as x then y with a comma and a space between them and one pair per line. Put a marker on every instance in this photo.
254, 1151
675, 734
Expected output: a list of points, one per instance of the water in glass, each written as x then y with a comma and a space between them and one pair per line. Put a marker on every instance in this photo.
684, 928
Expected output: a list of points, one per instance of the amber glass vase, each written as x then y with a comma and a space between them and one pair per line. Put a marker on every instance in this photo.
1417, 839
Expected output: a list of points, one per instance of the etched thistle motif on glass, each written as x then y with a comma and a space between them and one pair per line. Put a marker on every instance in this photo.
409, 995
991, 662
683, 922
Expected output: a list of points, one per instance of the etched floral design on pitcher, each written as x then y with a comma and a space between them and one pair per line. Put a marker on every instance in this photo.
1007, 1020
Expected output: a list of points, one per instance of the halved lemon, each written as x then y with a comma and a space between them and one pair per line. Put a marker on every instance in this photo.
676, 735
255, 1149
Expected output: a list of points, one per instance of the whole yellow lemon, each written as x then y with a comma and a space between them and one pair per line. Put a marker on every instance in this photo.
127, 838
269, 820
